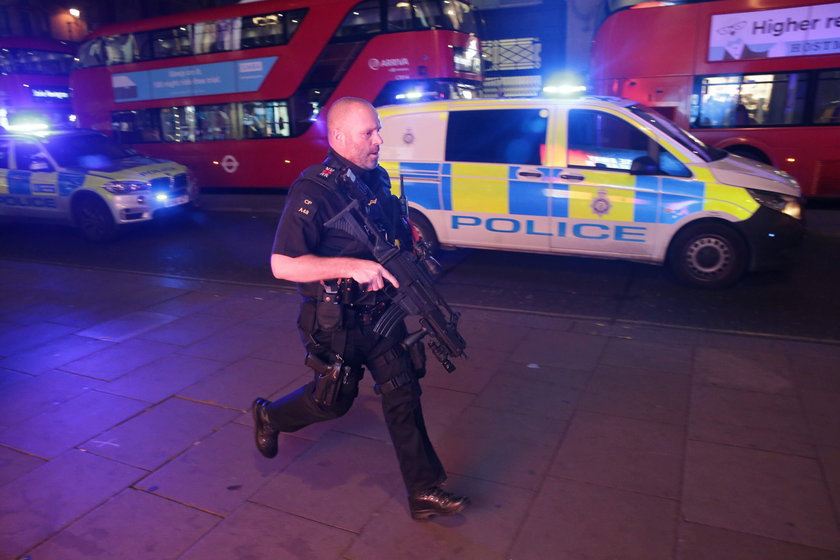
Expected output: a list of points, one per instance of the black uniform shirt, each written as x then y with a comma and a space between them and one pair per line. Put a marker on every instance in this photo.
310, 203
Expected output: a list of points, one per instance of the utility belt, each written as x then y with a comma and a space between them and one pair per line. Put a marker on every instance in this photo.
341, 306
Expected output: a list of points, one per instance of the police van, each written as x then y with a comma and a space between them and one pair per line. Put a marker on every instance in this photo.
86, 178
595, 177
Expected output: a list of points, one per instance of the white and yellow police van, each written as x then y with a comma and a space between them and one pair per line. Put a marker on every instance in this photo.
86, 178
596, 177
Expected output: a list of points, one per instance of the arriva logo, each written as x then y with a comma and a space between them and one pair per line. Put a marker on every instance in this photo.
376, 64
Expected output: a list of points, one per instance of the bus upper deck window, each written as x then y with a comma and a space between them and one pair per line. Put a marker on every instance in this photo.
362, 19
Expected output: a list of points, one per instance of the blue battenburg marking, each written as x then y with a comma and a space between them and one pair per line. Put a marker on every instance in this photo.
446, 185
680, 186
560, 200
424, 194
674, 208
645, 207
19, 182
679, 199
528, 199
68, 182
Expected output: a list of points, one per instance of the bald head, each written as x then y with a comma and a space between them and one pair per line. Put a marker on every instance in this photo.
353, 131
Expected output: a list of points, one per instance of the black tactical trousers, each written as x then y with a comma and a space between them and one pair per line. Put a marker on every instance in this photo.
420, 466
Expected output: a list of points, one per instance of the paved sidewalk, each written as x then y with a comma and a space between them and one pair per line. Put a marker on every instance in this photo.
124, 435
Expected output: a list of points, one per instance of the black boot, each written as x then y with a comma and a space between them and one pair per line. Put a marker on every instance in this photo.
435, 501
264, 435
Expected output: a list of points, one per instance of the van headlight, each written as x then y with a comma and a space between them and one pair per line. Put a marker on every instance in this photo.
783, 203
125, 187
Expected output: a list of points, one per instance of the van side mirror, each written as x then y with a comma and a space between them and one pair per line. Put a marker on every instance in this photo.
644, 165
39, 163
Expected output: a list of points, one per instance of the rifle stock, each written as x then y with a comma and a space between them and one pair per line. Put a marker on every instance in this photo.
415, 296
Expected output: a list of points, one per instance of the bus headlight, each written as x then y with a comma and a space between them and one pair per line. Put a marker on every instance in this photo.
783, 203
125, 187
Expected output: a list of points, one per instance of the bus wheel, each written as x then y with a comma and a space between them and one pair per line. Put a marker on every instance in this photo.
424, 230
749, 152
708, 255
93, 218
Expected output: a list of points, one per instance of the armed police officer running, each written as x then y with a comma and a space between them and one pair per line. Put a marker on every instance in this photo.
343, 291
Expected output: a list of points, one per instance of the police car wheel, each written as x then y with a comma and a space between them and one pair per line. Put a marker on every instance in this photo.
708, 256
93, 218
424, 229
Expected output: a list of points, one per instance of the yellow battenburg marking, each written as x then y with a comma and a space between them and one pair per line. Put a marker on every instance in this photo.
731, 200
392, 167
478, 187
702, 174
601, 203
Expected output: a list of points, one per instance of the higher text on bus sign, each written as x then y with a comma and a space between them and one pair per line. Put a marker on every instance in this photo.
800, 31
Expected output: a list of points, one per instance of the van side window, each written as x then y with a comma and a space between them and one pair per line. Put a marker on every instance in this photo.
598, 139
513, 136
24, 152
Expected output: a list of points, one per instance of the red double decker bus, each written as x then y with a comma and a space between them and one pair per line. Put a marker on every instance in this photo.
236, 93
34, 83
759, 78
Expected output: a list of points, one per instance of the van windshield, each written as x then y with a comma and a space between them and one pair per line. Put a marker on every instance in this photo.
685, 138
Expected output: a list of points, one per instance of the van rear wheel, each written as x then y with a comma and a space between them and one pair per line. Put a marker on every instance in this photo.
708, 255
93, 218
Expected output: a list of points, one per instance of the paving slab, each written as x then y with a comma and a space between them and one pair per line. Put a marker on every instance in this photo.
501, 446
642, 394
670, 357
52, 354
53, 496
34, 395
635, 455
341, 481
484, 531
190, 329
159, 380
13, 341
782, 497
119, 359
257, 531
542, 393
571, 519
569, 350
768, 421
823, 410
238, 384
64, 426
234, 343
134, 525
127, 326
14, 464
160, 433
220, 472
700, 542
739, 369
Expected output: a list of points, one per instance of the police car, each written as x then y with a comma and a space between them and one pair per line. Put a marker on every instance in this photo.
84, 177
594, 176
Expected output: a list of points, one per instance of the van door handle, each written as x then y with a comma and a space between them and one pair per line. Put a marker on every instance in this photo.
529, 174
568, 177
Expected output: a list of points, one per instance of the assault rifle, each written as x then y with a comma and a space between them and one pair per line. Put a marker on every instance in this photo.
415, 296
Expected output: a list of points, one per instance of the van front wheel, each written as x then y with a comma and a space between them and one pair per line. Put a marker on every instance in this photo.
708, 256
424, 230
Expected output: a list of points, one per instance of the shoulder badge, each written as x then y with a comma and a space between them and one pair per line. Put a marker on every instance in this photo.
327, 172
